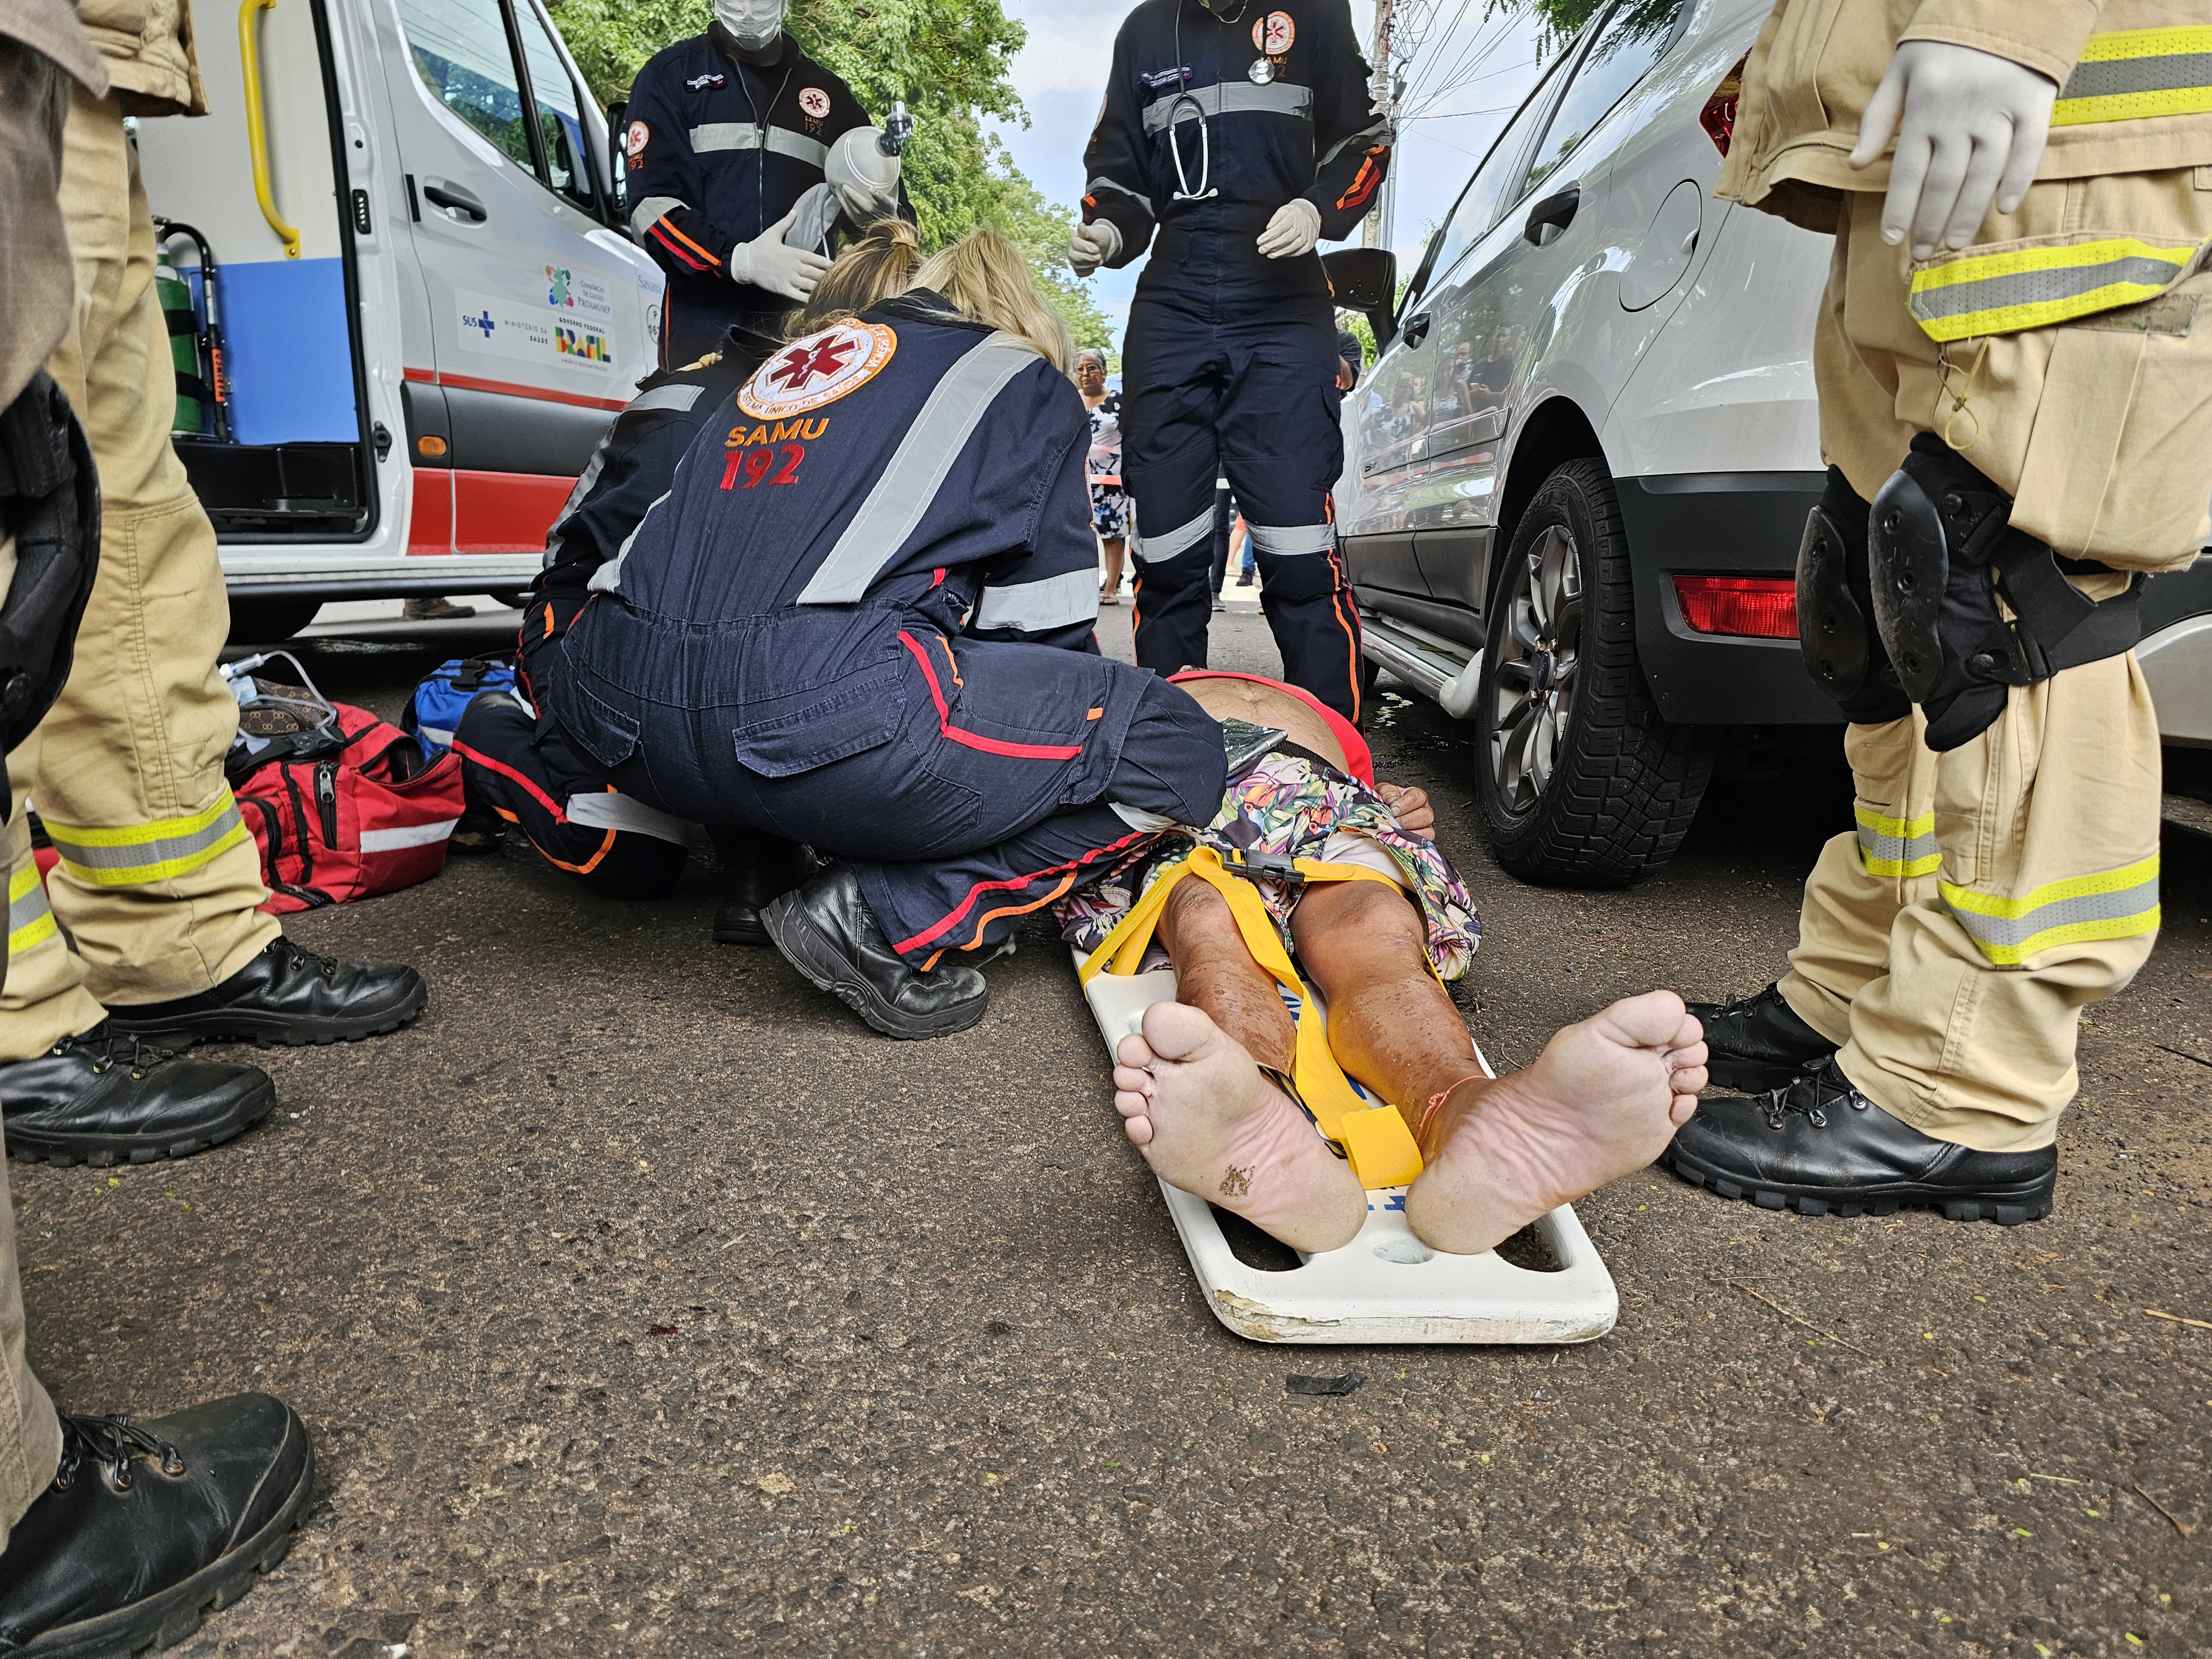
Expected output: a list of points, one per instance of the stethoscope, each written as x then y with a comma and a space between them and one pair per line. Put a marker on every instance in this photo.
1184, 193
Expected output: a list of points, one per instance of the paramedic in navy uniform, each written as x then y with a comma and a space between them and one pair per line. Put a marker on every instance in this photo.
1245, 131
728, 130
862, 618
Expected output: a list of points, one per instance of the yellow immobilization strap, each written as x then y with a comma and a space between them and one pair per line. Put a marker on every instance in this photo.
1374, 1138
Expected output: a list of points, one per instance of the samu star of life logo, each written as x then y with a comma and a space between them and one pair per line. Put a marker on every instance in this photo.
818, 369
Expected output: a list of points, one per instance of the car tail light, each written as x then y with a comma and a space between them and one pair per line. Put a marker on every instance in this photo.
1718, 116
1760, 607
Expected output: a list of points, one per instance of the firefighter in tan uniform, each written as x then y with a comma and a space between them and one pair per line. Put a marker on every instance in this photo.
159, 879
114, 1532
2015, 387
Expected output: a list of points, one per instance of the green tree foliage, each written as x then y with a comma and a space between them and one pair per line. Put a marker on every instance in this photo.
950, 61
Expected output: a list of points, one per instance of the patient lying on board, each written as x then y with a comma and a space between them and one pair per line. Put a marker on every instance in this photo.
1602, 1100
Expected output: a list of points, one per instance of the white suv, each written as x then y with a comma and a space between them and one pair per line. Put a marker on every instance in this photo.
1576, 477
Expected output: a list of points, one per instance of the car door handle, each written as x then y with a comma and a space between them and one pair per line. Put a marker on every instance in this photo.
1550, 217
1416, 328
456, 200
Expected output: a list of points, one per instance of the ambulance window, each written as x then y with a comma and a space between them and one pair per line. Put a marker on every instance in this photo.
462, 54
568, 160
1632, 40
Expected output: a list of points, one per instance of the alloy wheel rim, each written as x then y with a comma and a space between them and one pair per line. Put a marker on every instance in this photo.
1538, 658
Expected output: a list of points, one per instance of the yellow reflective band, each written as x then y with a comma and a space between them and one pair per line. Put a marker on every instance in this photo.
140, 852
2042, 287
29, 919
1897, 848
2132, 75
2118, 904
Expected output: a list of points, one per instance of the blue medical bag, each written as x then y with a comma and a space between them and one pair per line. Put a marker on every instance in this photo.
435, 708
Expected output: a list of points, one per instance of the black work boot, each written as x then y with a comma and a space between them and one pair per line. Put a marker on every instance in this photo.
107, 1097
147, 1524
756, 868
1757, 1043
1822, 1148
285, 994
827, 932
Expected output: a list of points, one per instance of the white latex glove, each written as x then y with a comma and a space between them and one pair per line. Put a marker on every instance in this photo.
766, 262
1294, 230
1970, 127
1090, 246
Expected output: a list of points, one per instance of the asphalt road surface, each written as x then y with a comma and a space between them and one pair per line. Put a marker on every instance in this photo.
641, 1301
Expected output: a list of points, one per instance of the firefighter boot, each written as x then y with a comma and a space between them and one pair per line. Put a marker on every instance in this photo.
756, 868
286, 995
1820, 1147
1757, 1042
105, 1097
828, 932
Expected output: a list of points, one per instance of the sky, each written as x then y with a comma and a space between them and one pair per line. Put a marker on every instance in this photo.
1464, 82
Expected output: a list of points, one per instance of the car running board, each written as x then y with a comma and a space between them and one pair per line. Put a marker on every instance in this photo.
1436, 668
1385, 1286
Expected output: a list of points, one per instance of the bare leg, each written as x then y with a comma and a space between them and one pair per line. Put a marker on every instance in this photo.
1603, 1099
1114, 546
1195, 1103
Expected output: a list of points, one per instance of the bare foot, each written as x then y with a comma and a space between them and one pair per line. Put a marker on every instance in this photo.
1209, 1122
1603, 1099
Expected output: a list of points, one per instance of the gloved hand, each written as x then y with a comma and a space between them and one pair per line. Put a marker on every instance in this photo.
1970, 126
765, 262
1294, 230
1090, 246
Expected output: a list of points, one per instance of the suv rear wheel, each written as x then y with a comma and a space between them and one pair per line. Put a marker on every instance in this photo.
1582, 783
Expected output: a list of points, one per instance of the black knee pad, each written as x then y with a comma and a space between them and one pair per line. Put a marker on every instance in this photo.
1835, 609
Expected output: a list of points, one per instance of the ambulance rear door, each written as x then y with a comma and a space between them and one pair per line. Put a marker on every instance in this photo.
540, 313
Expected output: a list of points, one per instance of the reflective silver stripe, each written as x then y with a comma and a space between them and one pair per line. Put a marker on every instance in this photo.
652, 208
677, 396
30, 918
608, 811
1380, 131
1292, 538
908, 486
407, 835
2120, 78
1153, 549
608, 574
1231, 98
1891, 847
590, 476
144, 852
1103, 183
744, 135
1056, 602
2041, 287
2119, 904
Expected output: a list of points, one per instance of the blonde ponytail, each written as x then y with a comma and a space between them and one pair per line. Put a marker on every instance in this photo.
880, 265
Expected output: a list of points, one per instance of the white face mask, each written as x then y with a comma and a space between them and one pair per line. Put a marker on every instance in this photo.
752, 23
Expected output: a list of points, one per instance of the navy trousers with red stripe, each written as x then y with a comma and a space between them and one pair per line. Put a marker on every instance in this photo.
1230, 369
525, 771
969, 782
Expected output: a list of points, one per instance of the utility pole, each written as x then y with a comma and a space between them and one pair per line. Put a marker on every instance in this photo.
1375, 231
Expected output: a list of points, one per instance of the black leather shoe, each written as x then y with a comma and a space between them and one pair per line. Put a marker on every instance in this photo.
285, 994
1822, 1148
827, 932
756, 868
1758, 1044
107, 1097
147, 1524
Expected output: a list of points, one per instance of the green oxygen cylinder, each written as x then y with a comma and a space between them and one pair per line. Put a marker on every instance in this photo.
184, 322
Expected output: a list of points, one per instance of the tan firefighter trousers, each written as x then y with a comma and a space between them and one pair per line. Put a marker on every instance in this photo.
159, 877
1985, 897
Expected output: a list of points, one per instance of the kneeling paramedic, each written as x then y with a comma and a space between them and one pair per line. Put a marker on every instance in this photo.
1245, 136
741, 151
518, 764
862, 618
2016, 405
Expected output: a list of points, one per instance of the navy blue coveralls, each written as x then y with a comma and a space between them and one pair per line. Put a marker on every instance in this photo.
1230, 364
863, 618
523, 766
718, 151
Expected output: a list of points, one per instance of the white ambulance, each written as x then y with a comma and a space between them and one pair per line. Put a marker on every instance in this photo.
426, 309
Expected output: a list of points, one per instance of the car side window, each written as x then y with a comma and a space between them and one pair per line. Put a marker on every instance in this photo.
461, 51
1631, 40
1485, 197
560, 112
